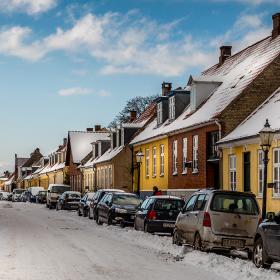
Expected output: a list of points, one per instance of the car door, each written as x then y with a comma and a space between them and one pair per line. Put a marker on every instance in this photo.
183, 223
102, 206
107, 206
141, 214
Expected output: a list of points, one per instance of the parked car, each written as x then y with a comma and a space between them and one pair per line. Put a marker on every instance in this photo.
96, 199
10, 196
218, 220
54, 191
68, 200
83, 206
267, 242
158, 214
117, 208
16, 194
41, 197
32, 193
24, 196
5, 195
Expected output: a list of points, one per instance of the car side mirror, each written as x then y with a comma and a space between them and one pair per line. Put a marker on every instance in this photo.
270, 216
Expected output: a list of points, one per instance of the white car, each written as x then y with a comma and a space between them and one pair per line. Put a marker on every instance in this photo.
16, 194
54, 191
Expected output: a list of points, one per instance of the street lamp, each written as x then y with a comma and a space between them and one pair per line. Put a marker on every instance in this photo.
139, 157
266, 137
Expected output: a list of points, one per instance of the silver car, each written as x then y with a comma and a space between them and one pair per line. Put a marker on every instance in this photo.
213, 220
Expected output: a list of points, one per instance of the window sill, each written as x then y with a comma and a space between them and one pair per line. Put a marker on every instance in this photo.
195, 172
154, 176
161, 175
276, 197
184, 173
147, 176
175, 173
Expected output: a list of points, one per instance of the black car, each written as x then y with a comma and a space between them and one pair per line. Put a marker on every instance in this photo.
117, 208
267, 241
41, 197
96, 199
83, 207
68, 200
158, 214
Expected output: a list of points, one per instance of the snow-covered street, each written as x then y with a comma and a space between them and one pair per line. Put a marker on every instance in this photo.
38, 243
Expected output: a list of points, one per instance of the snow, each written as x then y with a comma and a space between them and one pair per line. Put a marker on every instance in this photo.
81, 143
37, 243
237, 72
270, 110
109, 154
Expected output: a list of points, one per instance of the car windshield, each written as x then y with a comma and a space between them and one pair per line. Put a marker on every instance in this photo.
234, 203
18, 191
168, 204
126, 199
42, 193
73, 195
59, 189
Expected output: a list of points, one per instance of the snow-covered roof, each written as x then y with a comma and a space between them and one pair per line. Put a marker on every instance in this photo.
109, 154
237, 72
81, 143
10, 181
270, 110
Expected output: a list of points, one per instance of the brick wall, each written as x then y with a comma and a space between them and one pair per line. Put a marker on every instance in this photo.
204, 177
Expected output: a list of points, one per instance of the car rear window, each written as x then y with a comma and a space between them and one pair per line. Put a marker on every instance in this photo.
123, 199
168, 204
234, 203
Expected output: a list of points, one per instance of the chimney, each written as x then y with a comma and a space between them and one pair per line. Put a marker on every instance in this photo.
166, 87
133, 115
276, 25
89, 129
97, 127
64, 141
225, 53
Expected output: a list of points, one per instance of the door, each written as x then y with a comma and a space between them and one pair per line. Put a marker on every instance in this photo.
246, 172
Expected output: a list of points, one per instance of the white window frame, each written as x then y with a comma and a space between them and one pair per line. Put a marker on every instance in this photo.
172, 107
195, 154
154, 161
159, 113
147, 162
175, 157
276, 175
232, 172
161, 160
260, 172
184, 153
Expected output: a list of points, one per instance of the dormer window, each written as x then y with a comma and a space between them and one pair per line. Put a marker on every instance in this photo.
99, 149
159, 113
172, 107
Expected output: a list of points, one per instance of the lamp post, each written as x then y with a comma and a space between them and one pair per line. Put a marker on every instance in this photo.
266, 137
139, 157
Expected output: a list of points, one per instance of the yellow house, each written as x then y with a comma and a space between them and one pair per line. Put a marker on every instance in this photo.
243, 167
154, 165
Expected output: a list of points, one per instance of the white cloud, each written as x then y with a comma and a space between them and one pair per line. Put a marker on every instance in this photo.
74, 91
104, 93
251, 2
30, 7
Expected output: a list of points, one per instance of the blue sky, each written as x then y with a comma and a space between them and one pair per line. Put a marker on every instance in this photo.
68, 65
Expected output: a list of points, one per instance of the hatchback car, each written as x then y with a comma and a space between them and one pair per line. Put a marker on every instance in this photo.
68, 201
218, 220
16, 194
83, 206
41, 197
267, 242
158, 214
117, 208
54, 191
96, 199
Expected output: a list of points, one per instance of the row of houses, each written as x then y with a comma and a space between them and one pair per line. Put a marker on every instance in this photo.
204, 134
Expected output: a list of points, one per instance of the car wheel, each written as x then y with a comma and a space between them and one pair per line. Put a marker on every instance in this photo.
89, 215
197, 242
79, 213
56, 207
135, 225
98, 220
176, 239
61, 207
259, 258
85, 212
109, 221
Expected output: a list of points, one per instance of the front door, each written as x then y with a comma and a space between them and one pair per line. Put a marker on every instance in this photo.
246, 172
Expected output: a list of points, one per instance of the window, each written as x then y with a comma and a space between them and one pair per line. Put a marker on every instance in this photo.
260, 172
276, 172
172, 107
159, 113
174, 157
185, 149
195, 154
200, 203
190, 204
154, 161
212, 149
147, 162
232, 172
161, 160
110, 176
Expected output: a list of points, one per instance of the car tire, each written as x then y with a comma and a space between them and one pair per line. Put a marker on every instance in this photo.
56, 207
259, 255
109, 221
135, 226
85, 213
176, 239
98, 221
78, 211
89, 216
197, 242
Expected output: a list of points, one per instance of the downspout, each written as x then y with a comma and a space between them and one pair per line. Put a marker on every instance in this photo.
132, 167
217, 122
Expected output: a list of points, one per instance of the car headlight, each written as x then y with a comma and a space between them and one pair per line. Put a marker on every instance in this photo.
120, 210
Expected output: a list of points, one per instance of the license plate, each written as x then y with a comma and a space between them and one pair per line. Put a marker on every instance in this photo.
168, 225
233, 243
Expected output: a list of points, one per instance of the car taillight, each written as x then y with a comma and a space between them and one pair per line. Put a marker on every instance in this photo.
152, 215
206, 220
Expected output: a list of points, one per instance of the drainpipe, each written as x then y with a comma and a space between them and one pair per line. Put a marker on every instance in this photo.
132, 166
217, 122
